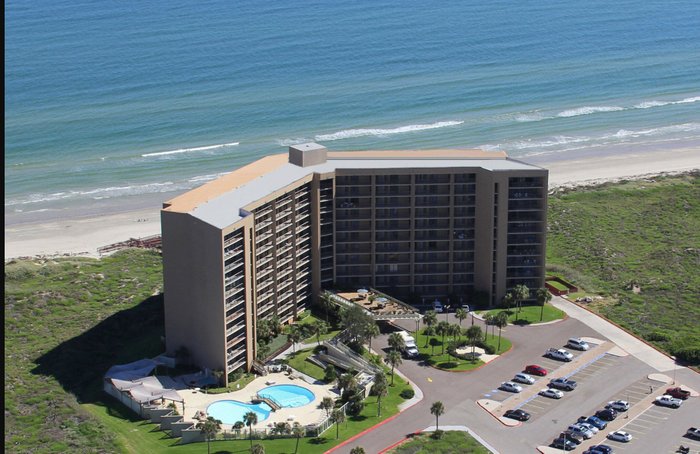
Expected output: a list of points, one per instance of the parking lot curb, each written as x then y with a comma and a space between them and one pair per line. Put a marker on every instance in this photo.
498, 418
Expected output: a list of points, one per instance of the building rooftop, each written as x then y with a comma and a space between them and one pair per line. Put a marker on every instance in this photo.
219, 202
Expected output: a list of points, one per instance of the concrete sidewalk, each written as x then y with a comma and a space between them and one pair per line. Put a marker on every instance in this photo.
624, 340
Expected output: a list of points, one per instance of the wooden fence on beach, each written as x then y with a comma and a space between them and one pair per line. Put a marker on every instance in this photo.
148, 242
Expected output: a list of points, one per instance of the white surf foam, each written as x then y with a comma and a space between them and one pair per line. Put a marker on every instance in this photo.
352, 133
587, 110
188, 150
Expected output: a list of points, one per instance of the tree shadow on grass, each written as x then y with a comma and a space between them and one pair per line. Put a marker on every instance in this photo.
522, 322
79, 364
358, 418
318, 441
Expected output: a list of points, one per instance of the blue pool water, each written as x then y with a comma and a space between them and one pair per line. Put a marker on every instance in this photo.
288, 395
230, 411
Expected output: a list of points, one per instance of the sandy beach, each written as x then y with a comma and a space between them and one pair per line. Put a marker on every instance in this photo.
83, 236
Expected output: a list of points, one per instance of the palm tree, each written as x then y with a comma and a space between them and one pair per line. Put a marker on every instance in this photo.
294, 336
380, 389
337, 417
442, 329
543, 297
298, 432
508, 300
319, 327
488, 319
250, 419
520, 293
238, 425
453, 331
257, 449
326, 303
473, 334
372, 331
430, 318
461, 314
437, 409
209, 428
428, 333
393, 358
345, 381
396, 341
501, 322
327, 404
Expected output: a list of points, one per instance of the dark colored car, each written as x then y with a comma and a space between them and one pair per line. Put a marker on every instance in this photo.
594, 421
563, 443
606, 415
599, 449
534, 369
520, 415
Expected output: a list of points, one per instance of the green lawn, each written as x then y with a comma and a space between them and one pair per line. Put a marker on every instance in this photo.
298, 361
529, 314
434, 356
450, 443
310, 319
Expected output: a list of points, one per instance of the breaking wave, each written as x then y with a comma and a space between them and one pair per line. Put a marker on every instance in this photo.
352, 133
188, 150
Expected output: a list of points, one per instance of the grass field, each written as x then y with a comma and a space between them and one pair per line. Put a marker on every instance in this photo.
450, 443
432, 352
529, 314
612, 238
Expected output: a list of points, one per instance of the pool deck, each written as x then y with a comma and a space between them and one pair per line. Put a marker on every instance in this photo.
196, 401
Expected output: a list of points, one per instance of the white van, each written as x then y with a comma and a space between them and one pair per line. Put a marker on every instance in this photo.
578, 344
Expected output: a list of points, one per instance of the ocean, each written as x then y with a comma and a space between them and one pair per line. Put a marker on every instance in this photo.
118, 105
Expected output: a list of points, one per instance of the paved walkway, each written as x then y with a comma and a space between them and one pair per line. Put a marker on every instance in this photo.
624, 340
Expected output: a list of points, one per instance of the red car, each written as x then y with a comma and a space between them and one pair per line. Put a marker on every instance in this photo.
536, 370
678, 393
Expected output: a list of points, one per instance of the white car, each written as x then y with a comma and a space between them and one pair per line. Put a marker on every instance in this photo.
524, 378
620, 435
560, 354
618, 405
588, 426
510, 386
668, 401
552, 393
437, 307
578, 344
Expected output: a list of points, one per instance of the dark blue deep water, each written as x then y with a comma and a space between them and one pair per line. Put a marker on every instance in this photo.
125, 103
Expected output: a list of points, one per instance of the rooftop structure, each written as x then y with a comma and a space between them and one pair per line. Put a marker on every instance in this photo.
417, 224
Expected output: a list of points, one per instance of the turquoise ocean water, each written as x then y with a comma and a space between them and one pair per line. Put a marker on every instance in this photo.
115, 105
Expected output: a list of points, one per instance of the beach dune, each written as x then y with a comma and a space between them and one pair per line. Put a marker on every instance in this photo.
83, 236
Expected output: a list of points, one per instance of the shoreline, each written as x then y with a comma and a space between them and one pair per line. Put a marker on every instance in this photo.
82, 236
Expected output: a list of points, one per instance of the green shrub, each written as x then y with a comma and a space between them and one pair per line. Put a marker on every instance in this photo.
658, 336
407, 393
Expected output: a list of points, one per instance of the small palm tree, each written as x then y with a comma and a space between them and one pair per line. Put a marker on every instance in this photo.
461, 314
298, 432
250, 419
430, 318
319, 327
393, 358
257, 449
327, 404
337, 417
442, 329
454, 331
508, 300
396, 341
372, 331
428, 333
209, 428
501, 321
326, 303
294, 336
437, 409
345, 381
473, 334
543, 297
520, 293
380, 389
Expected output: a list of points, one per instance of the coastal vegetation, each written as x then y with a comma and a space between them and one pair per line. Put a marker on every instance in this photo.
637, 244
449, 442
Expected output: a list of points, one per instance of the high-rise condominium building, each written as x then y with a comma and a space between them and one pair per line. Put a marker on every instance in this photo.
419, 225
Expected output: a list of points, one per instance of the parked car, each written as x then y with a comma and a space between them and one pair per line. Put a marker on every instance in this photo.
437, 306
559, 354
606, 415
599, 449
577, 344
410, 351
618, 405
520, 415
594, 421
668, 401
534, 369
693, 432
524, 378
588, 426
563, 383
564, 443
576, 429
620, 435
678, 393
552, 393
511, 387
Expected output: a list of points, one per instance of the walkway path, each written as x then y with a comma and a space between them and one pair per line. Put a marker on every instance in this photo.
624, 340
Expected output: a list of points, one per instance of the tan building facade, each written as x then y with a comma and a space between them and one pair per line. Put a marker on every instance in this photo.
419, 225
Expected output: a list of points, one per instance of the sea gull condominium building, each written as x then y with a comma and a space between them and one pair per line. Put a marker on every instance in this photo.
264, 240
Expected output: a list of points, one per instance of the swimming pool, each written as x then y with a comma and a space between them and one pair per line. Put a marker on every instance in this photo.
230, 411
288, 395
